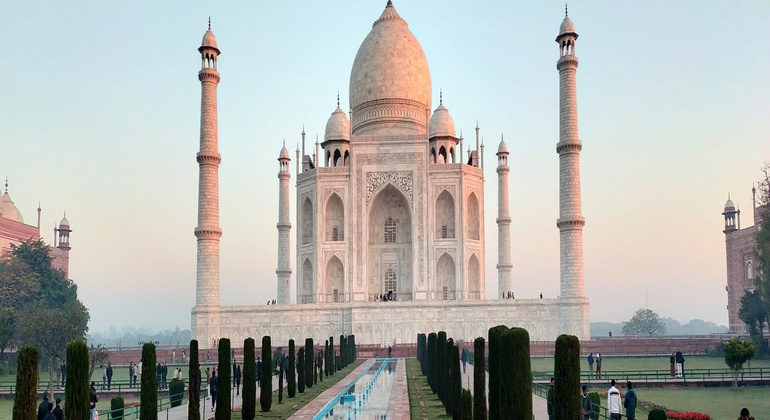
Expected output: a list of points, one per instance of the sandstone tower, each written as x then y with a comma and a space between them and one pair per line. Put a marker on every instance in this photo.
284, 228
571, 219
205, 313
504, 265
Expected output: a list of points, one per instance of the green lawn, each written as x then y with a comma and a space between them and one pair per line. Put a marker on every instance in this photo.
423, 403
6, 406
719, 403
291, 405
610, 363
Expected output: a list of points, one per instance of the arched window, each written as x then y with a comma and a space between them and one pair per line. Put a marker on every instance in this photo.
307, 221
432, 155
391, 282
306, 295
390, 231
474, 278
749, 271
445, 216
337, 158
473, 223
335, 219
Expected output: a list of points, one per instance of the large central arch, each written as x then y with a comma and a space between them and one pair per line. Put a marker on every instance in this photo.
389, 245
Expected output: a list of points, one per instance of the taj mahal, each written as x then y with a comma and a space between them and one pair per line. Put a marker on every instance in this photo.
389, 236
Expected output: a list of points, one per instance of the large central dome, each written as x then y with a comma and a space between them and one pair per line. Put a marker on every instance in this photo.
390, 89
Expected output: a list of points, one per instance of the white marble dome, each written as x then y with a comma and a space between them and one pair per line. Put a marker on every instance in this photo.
338, 126
441, 123
567, 27
390, 78
64, 224
284, 153
502, 148
209, 40
8, 210
729, 205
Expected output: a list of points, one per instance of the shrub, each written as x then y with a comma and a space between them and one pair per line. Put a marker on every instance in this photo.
76, 392
596, 401
292, 385
431, 360
566, 392
116, 407
466, 406
149, 392
301, 370
520, 373
657, 414
225, 378
494, 373
479, 381
176, 392
249, 407
25, 399
690, 415
266, 390
194, 388
308, 363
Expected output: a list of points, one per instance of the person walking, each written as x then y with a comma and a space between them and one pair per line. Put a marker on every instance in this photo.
464, 359
63, 374
549, 399
598, 366
679, 364
629, 402
586, 404
164, 375
259, 371
613, 401
93, 399
590, 363
208, 383
237, 376
58, 374
42, 409
58, 413
109, 376
213, 384
49, 413
159, 375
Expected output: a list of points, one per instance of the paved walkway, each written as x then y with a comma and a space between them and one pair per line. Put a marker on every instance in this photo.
313, 407
539, 406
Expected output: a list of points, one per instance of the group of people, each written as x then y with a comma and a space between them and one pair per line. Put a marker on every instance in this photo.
47, 410
61, 374
598, 360
614, 402
676, 362
134, 374
107, 376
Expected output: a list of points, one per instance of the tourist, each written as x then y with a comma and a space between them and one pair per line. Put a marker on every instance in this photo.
679, 364
598, 366
464, 359
93, 399
184, 356
58, 413
158, 375
104, 377
42, 409
63, 374
179, 374
237, 376
629, 402
613, 401
58, 374
390, 350
213, 383
590, 363
549, 399
672, 361
744, 414
586, 404
164, 374
208, 383
49, 412
109, 376
208, 355
138, 374
259, 370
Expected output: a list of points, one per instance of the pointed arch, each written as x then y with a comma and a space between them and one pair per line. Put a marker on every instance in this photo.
334, 219
452, 154
334, 281
442, 155
474, 219
432, 155
474, 277
337, 161
445, 278
445, 216
306, 292
307, 221
389, 232
346, 159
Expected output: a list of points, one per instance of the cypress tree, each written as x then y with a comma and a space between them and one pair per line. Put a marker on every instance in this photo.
301, 370
27, 374
479, 381
353, 350
332, 365
494, 373
249, 408
321, 369
520, 384
308, 363
224, 372
76, 392
194, 388
457, 384
466, 406
149, 392
266, 390
505, 400
315, 370
280, 378
441, 370
449, 385
342, 352
431, 361
566, 391
326, 358
292, 370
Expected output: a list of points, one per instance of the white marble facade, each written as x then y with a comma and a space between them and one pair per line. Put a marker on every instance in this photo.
388, 207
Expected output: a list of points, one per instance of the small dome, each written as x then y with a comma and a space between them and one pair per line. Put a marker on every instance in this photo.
209, 40
729, 205
338, 126
64, 224
567, 27
502, 148
8, 210
441, 123
284, 153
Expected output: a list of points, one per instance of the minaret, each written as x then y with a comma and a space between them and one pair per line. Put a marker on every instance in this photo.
284, 228
571, 219
504, 265
208, 232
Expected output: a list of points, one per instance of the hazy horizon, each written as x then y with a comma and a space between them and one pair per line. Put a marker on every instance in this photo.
101, 107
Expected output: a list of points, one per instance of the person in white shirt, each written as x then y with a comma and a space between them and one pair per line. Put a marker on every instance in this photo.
613, 401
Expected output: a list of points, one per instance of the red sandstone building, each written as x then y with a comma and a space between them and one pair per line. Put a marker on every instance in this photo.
14, 231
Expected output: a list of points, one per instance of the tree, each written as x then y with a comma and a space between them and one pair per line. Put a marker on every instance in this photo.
149, 386
754, 313
308, 363
762, 277
644, 322
266, 388
431, 360
520, 373
457, 384
566, 391
76, 392
280, 379
292, 385
441, 366
194, 388
479, 381
737, 353
98, 355
25, 398
224, 372
494, 372
248, 411
301, 370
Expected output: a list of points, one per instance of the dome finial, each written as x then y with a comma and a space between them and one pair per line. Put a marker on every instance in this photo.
565, 9
209, 23
440, 96
6, 185
338, 99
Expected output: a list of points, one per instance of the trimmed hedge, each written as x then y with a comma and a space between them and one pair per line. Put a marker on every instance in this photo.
494, 372
194, 388
280, 378
520, 373
431, 361
225, 378
441, 371
596, 400
448, 385
466, 406
149, 385
456, 394
176, 392
566, 391
479, 381
27, 374
266, 381
657, 414
76, 391
308, 362
301, 370
116, 407
292, 385
249, 407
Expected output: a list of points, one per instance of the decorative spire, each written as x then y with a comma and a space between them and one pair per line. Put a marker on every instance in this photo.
303, 130
440, 96
565, 9
338, 99
209, 23
316, 140
6, 185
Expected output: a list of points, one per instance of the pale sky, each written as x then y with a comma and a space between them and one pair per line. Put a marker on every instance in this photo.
100, 108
